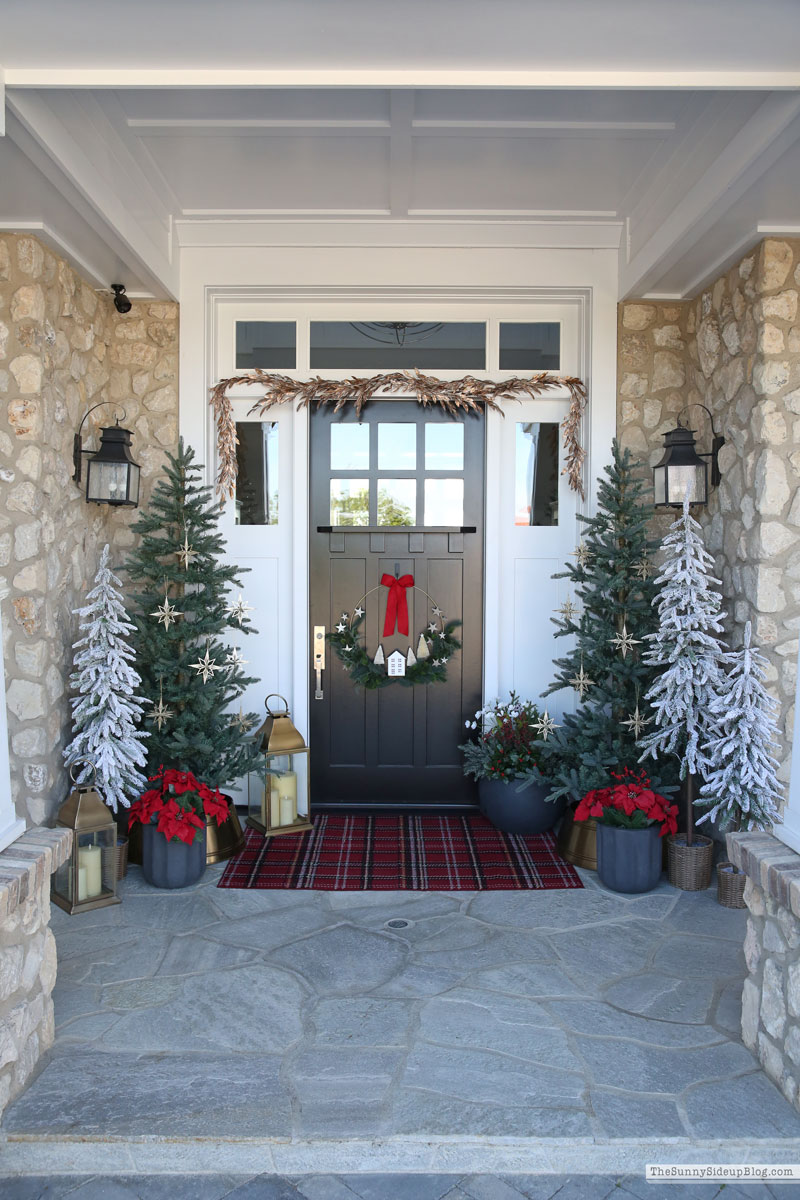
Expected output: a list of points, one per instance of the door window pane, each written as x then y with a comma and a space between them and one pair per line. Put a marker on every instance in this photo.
397, 501
393, 345
267, 344
257, 473
444, 447
530, 345
349, 502
397, 446
349, 447
444, 501
536, 482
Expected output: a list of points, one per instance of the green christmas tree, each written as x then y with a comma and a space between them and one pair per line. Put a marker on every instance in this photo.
182, 605
609, 614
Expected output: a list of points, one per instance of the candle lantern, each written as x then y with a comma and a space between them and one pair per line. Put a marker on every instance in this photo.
88, 879
278, 802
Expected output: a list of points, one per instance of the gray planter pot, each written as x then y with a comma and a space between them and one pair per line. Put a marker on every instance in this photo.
511, 811
171, 864
628, 860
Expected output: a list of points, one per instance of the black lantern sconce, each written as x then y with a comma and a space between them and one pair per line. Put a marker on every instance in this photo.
683, 467
112, 477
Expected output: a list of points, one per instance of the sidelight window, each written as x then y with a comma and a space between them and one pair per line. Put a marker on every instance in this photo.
536, 478
257, 473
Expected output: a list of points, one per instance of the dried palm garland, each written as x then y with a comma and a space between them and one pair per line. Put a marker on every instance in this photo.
453, 395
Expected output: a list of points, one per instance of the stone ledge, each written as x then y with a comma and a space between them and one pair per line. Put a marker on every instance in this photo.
28, 862
770, 864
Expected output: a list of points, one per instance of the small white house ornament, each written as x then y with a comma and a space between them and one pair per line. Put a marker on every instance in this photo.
395, 664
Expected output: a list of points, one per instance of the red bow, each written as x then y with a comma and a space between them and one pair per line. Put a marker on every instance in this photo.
397, 604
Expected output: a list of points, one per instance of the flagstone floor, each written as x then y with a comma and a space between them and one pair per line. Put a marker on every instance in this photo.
581, 1016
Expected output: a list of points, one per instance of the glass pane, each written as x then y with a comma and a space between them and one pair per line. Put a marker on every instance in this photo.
536, 487
397, 446
257, 473
444, 501
444, 447
266, 344
385, 345
530, 346
349, 502
397, 501
349, 447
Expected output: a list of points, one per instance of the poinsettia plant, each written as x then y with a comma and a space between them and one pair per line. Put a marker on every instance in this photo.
507, 746
179, 803
629, 803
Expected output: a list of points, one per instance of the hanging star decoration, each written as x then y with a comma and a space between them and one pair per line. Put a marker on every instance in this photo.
186, 553
206, 666
581, 554
432, 627
233, 659
160, 714
167, 613
239, 609
242, 721
341, 627
568, 610
643, 569
636, 722
437, 612
348, 649
544, 726
624, 641
581, 682
358, 611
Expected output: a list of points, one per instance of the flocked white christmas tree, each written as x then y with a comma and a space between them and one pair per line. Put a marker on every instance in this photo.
741, 781
687, 649
106, 709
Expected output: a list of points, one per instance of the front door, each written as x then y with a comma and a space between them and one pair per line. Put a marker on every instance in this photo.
396, 493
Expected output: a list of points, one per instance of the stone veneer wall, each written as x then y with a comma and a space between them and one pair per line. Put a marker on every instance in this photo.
736, 349
27, 954
771, 993
64, 348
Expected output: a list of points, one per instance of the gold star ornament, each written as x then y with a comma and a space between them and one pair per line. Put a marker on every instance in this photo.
568, 610
636, 722
582, 554
185, 553
160, 714
544, 726
624, 641
205, 666
239, 609
242, 721
581, 682
167, 613
643, 569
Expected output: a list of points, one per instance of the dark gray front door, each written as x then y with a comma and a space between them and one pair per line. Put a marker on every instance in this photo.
399, 492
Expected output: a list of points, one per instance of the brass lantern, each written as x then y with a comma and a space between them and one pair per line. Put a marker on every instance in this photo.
278, 802
88, 879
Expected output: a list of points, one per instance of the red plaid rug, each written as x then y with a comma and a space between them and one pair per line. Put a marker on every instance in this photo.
403, 853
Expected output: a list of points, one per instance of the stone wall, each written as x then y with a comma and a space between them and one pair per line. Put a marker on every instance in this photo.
64, 348
27, 954
771, 993
736, 349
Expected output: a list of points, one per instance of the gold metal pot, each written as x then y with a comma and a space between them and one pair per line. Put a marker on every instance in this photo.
577, 841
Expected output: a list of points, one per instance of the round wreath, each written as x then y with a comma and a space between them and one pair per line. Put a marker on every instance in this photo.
346, 640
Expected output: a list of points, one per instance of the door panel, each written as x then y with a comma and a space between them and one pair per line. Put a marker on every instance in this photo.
396, 746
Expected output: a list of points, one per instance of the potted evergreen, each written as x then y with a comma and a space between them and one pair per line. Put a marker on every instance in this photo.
505, 760
631, 820
173, 815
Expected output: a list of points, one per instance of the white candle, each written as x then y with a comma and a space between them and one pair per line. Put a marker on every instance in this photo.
91, 858
265, 806
274, 803
81, 883
287, 791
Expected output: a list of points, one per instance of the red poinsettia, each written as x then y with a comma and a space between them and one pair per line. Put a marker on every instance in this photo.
630, 803
180, 803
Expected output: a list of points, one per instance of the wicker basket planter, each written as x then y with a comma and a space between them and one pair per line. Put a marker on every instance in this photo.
122, 857
689, 867
730, 885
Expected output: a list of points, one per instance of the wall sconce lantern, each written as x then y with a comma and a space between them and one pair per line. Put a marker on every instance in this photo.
685, 467
112, 477
278, 800
88, 879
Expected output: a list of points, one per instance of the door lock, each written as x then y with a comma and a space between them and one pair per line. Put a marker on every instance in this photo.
319, 659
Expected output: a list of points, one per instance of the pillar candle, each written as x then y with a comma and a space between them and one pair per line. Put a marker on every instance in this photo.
81, 883
91, 859
287, 791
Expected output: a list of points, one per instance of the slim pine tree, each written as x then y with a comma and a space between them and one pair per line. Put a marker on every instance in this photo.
612, 595
107, 709
741, 781
182, 607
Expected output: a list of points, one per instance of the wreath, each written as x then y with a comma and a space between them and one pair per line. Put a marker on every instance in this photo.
434, 648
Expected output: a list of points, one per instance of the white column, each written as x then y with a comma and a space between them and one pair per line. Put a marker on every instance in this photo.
789, 831
11, 827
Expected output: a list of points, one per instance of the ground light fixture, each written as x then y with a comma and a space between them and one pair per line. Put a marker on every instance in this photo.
112, 476
684, 467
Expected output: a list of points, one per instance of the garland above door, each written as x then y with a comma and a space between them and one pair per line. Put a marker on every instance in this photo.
453, 395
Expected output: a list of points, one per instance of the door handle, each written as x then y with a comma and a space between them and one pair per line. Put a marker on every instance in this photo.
319, 659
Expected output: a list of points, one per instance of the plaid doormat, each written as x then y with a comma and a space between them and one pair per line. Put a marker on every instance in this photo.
403, 853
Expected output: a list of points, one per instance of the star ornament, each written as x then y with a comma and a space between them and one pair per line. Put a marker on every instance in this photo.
544, 726
358, 612
186, 553
624, 641
205, 666
239, 609
582, 554
581, 682
167, 613
341, 627
241, 721
568, 610
437, 612
636, 722
643, 569
233, 659
160, 714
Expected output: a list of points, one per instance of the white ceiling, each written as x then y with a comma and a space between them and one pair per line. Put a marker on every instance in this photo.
672, 130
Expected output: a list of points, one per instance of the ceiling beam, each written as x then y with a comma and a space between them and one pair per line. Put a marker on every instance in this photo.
401, 108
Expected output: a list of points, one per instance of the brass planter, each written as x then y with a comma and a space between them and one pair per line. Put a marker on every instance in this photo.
577, 841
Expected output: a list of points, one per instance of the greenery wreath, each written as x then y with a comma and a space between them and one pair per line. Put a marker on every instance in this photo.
349, 646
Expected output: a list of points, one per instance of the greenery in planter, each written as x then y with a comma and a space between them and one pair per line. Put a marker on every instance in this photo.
508, 747
629, 803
